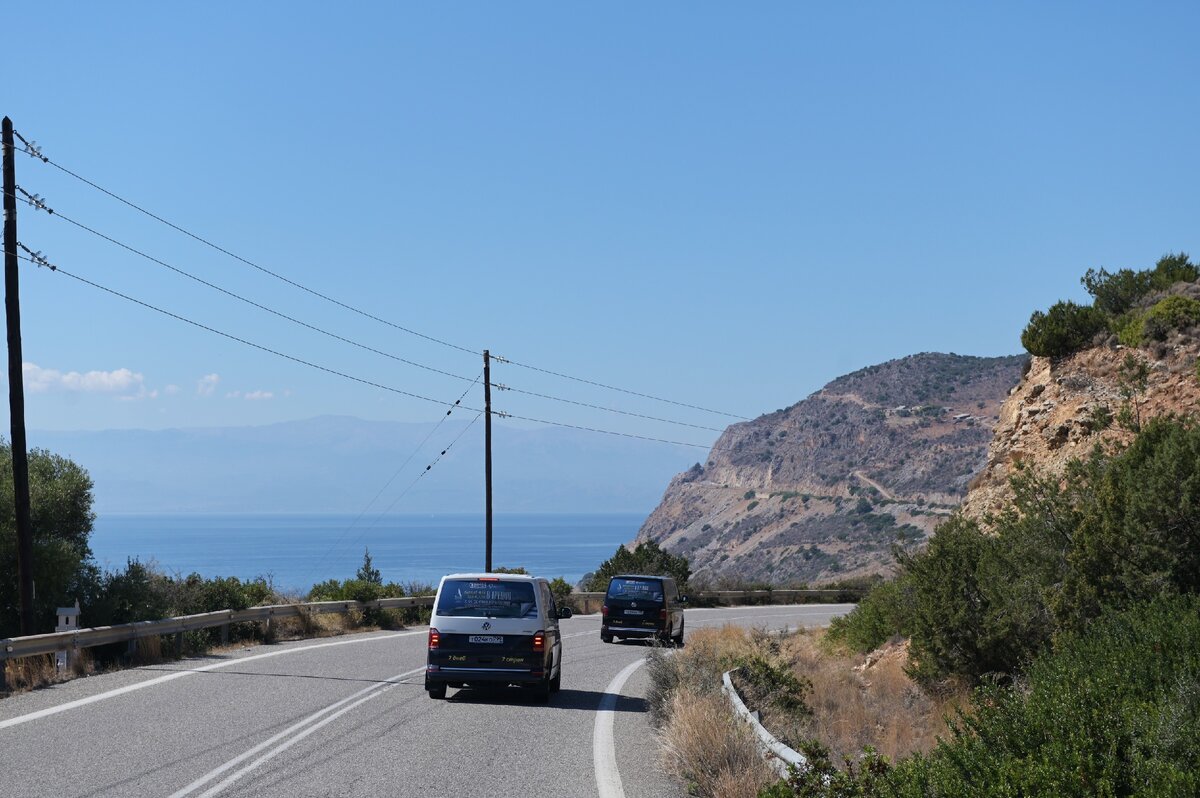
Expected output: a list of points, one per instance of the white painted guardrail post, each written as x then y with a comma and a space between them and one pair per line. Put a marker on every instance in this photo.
68, 621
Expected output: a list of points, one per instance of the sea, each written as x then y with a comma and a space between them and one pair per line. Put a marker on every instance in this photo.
297, 551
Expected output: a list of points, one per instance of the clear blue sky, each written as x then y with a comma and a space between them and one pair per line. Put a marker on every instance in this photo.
725, 204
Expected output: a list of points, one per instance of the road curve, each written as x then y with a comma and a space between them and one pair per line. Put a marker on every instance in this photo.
349, 717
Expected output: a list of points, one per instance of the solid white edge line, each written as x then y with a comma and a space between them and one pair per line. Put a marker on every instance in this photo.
604, 754
42, 713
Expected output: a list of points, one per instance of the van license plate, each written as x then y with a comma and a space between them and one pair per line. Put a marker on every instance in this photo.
485, 639
634, 612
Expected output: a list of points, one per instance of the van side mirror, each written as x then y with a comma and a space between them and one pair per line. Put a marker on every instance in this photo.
683, 599
565, 612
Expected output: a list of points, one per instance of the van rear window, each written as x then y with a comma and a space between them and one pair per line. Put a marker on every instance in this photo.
635, 589
491, 599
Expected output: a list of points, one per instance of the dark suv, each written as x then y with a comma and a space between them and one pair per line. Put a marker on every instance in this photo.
642, 606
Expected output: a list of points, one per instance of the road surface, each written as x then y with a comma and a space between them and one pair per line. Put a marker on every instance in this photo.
348, 716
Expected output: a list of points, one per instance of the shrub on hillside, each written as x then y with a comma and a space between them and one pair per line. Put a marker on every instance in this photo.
1172, 313
1116, 530
1114, 710
1063, 329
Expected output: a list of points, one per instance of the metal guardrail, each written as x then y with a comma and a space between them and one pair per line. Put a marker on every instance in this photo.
13, 647
585, 603
778, 755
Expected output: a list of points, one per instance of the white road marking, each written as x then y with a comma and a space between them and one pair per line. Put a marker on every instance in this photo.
604, 754
42, 713
362, 696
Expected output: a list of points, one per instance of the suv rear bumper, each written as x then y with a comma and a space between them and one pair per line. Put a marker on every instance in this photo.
632, 631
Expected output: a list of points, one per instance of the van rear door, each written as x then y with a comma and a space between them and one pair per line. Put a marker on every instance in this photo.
635, 603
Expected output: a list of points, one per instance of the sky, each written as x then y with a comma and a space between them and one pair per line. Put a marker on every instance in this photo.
725, 205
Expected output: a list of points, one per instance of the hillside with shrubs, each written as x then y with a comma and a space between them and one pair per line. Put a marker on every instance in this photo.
823, 489
1057, 623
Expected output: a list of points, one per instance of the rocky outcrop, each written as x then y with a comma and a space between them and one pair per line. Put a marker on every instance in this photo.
823, 489
1063, 407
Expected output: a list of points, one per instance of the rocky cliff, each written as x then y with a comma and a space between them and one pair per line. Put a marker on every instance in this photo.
1063, 407
822, 490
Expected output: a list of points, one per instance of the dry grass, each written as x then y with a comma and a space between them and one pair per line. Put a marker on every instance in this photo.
710, 751
855, 702
32, 673
860, 701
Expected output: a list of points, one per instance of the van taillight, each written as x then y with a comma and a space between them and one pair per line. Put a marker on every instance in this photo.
435, 638
604, 610
539, 642
662, 615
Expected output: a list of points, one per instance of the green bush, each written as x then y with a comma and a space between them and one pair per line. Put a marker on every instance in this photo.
1111, 711
1063, 329
1175, 312
883, 613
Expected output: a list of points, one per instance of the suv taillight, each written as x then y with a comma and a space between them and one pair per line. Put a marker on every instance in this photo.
435, 638
539, 642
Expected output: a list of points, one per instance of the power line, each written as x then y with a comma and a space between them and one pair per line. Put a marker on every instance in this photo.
254, 304
343, 375
620, 390
35, 152
37, 202
392, 478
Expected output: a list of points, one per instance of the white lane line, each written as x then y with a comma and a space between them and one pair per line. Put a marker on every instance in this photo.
42, 713
362, 696
604, 754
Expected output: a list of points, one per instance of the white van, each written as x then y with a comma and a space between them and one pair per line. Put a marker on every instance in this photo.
494, 629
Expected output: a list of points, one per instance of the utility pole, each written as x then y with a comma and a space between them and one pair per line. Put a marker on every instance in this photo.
16, 386
487, 453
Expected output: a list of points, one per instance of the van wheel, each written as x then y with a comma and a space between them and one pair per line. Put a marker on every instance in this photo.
678, 639
556, 682
605, 638
437, 691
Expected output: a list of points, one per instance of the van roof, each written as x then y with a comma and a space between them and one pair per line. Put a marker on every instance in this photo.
642, 576
505, 577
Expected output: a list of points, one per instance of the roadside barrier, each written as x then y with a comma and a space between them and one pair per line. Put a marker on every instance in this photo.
778, 755
73, 641
585, 603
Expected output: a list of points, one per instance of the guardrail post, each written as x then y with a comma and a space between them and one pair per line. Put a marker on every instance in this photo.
179, 645
224, 634
131, 649
3, 675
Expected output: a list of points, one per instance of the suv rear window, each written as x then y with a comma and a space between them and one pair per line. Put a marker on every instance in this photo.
636, 589
487, 598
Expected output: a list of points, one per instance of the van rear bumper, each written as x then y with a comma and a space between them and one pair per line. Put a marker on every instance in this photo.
435, 674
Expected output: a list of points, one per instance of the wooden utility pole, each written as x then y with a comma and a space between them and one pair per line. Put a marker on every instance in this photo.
487, 454
16, 386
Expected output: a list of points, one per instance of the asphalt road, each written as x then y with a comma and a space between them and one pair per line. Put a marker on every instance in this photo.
348, 716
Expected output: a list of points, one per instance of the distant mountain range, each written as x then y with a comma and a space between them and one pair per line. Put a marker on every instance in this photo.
338, 464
